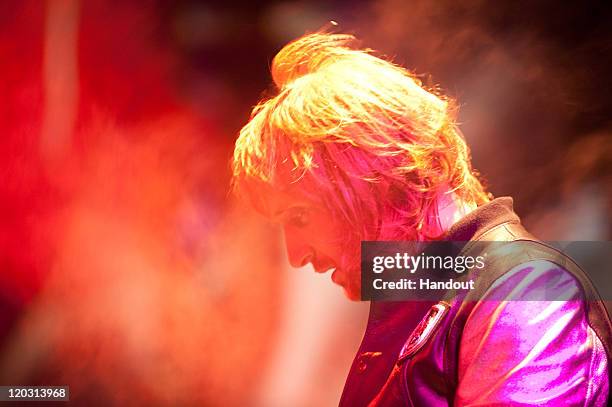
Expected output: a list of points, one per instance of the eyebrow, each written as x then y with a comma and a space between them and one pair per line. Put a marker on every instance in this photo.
281, 211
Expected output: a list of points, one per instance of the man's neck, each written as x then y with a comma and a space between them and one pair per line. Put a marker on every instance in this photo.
450, 209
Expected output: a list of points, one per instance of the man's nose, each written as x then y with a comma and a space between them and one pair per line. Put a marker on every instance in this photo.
298, 252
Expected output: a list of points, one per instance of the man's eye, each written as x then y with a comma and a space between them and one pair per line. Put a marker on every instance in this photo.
299, 218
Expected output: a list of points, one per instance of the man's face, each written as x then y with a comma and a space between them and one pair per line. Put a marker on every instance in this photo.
314, 235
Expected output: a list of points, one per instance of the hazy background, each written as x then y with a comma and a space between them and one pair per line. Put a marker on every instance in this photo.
126, 269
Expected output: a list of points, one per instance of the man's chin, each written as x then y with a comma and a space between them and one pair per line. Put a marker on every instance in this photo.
352, 294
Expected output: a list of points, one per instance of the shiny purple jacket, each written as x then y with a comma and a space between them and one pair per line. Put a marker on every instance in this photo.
490, 351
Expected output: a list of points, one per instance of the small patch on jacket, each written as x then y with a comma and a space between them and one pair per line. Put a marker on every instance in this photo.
364, 358
424, 330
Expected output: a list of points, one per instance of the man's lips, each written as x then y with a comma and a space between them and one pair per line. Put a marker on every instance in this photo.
335, 276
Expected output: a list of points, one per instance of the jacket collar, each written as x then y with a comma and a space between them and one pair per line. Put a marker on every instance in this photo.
482, 219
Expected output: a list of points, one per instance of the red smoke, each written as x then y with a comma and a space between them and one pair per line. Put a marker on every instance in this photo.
128, 273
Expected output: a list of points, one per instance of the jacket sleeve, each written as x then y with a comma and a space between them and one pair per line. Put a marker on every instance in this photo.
519, 350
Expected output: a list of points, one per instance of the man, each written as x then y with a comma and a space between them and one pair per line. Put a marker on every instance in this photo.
352, 149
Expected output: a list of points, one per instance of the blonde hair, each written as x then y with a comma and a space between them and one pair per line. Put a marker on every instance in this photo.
361, 133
